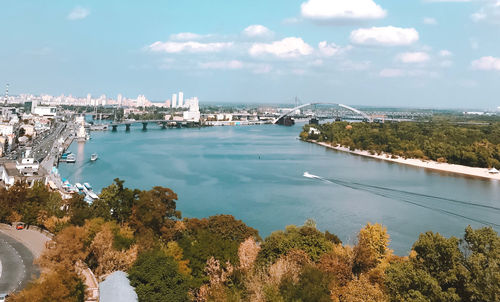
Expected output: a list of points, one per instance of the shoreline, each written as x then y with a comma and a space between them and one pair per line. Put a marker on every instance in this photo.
427, 164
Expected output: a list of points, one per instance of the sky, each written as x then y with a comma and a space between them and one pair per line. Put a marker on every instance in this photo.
417, 53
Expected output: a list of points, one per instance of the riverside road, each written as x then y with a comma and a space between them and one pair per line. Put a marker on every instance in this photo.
17, 265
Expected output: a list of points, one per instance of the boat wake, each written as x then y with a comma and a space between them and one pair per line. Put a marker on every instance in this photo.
416, 199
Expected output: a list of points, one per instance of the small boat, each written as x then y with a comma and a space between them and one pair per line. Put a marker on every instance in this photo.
88, 199
94, 157
71, 158
79, 186
309, 175
92, 195
88, 186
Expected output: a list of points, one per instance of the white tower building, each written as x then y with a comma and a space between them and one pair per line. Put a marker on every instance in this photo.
174, 100
181, 99
120, 100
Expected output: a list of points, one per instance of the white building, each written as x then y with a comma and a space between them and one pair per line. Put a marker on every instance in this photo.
6, 129
27, 166
192, 104
48, 111
174, 100
181, 99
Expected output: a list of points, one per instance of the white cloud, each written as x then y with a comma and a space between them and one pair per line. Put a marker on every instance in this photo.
326, 10
413, 57
445, 53
430, 21
397, 73
189, 46
486, 63
331, 49
391, 73
385, 36
187, 36
489, 12
233, 64
254, 31
291, 47
78, 13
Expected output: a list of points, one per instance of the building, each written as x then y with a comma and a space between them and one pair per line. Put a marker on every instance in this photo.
181, 99
174, 100
27, 166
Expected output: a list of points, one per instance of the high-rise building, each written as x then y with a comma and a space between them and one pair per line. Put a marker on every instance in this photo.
119, 99
181, 99
174, 100
89, 97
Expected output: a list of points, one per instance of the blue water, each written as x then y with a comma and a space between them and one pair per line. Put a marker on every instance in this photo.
256, 174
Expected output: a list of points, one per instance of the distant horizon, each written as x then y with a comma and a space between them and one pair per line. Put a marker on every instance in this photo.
275, 103
422, 53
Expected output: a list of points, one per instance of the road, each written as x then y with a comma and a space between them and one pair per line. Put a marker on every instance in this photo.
17, 265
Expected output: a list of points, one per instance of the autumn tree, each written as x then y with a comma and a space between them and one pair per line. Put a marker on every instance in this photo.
55, 286
371, 249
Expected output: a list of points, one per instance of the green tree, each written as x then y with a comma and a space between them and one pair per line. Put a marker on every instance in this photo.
156, 278
306, 238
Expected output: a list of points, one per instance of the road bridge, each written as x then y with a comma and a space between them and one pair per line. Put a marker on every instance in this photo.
163, 123
364, 115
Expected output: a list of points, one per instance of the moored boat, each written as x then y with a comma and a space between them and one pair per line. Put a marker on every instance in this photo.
94, 157
71, 158
79, 186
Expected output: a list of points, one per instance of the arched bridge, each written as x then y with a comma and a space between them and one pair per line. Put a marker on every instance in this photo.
366, 116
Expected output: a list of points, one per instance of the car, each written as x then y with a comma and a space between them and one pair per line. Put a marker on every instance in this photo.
3, 297
19, 226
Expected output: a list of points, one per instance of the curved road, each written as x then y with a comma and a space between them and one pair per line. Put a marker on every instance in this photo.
17, 267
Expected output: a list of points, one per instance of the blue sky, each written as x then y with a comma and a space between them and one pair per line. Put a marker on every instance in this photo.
420, 53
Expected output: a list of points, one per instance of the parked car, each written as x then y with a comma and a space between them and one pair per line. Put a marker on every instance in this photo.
3, 297
19, 226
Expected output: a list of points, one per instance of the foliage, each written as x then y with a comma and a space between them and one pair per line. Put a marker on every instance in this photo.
60, 286
156, 277
218, 236
465, 144
306, 238
448, 269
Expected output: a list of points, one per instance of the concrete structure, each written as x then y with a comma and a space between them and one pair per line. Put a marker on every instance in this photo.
47, 111
117, 287
174, 100
181, 99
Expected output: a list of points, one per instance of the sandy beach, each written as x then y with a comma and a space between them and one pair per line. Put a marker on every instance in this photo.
428, 164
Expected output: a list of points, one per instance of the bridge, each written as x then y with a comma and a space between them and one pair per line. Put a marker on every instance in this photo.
364, 115
145, 123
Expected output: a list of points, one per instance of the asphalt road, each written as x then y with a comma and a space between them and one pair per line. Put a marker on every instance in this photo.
17, 265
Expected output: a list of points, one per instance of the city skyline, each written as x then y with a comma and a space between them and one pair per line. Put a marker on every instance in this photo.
420, 53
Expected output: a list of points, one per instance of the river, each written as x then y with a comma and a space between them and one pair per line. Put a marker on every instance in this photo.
256, 174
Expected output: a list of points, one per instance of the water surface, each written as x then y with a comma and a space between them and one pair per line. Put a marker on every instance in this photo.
256, 174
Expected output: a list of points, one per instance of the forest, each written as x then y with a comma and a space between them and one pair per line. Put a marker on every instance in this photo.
475, 145
173, 258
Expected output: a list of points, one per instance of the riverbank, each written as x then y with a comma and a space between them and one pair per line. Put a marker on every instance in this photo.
428, 164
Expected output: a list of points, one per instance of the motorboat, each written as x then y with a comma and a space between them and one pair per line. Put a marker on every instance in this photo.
88, 186
71, 158
94, 157
79, 186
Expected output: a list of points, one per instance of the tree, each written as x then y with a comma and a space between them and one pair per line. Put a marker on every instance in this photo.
313, 286
372, 247
306, 238
156, 278
482, 260
153, 208
109, 259
59, 286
